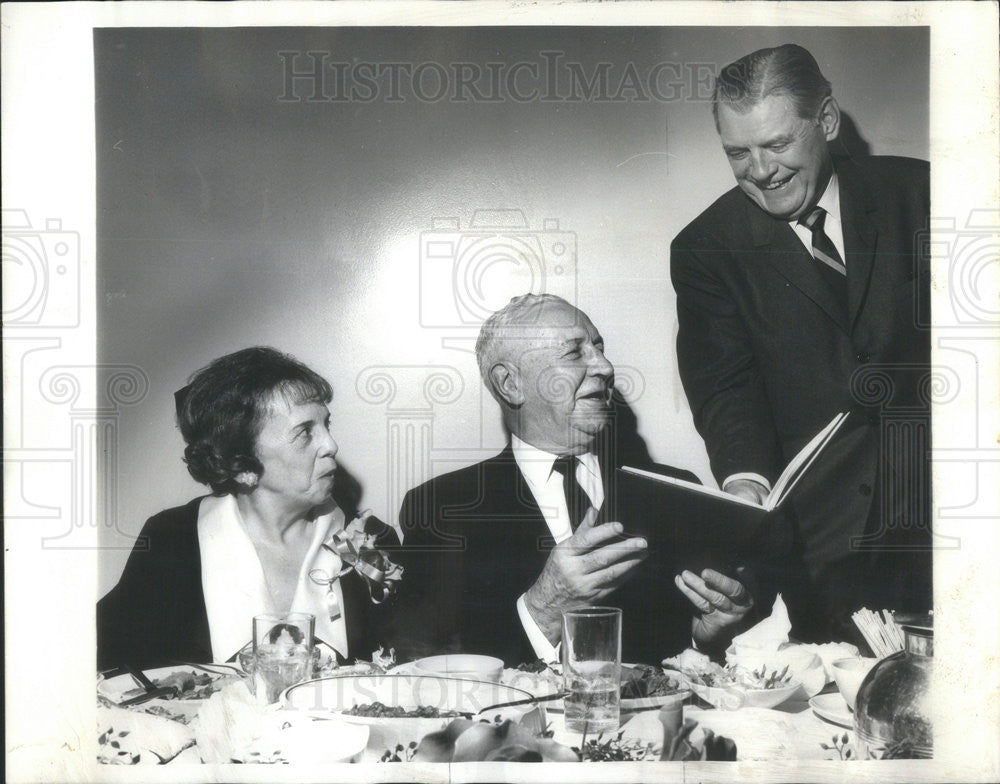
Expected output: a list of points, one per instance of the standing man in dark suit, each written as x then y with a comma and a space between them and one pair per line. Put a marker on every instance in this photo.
798, 295
495, 552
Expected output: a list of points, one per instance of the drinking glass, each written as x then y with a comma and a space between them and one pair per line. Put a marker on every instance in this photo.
592, 663
282, 653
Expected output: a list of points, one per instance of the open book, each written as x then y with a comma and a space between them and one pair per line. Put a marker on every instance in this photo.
794, 471
690, 522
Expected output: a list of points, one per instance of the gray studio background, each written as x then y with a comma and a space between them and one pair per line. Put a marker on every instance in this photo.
232, 211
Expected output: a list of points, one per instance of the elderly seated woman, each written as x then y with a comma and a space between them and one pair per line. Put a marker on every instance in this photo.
270, 537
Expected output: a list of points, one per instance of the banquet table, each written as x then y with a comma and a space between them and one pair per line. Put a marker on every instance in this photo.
792, 731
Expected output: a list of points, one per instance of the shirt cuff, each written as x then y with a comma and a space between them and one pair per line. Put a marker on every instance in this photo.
747, 475
544, 650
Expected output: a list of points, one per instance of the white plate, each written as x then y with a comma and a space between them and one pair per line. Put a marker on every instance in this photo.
124, 686
832, 707
541, 686
337, 694
636, 704
334, 695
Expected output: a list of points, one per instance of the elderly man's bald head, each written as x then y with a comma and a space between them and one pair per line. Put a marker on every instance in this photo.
543, 360
506, 332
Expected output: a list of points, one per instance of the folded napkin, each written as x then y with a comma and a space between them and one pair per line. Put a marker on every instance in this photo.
766, 646
767, 635
129, 737
228, 722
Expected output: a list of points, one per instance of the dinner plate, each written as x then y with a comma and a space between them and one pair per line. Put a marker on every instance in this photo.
541, 684
124, 686
833, 708
336, 694
636, 704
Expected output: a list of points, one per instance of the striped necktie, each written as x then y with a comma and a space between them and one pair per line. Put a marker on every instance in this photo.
831, 267
577, 500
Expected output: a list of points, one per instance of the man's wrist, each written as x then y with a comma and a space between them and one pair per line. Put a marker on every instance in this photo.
547, 621
540, 644
713, 646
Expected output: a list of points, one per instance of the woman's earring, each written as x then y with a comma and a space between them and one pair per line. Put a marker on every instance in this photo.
247, 478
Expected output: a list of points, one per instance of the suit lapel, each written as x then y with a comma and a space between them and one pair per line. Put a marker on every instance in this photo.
533, 526
525, 520
780, 247
860, 237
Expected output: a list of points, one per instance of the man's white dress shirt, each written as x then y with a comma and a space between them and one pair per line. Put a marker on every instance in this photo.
546, 486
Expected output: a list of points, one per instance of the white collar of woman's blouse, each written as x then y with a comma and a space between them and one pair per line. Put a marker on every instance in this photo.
233, 581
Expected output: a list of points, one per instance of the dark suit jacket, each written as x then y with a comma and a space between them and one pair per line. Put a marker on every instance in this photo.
474, 540
156, 613
768, 357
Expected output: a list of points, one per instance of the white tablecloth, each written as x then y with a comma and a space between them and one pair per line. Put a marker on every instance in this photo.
790, 732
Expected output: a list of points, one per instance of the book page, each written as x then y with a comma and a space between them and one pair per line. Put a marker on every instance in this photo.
705, 489
801, 462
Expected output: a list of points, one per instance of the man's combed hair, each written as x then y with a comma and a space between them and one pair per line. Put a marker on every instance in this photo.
510, 321
782, 70
224, 407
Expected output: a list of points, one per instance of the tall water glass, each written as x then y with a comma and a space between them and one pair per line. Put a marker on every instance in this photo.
592, 663
282, 653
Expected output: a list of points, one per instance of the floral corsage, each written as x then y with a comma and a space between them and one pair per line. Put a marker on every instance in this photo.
356, 551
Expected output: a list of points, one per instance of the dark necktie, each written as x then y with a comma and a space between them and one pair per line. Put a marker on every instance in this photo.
577, 501
831, 266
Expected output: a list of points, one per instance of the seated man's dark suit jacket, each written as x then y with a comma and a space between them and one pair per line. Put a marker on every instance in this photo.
474, 540
768, 356
156, 613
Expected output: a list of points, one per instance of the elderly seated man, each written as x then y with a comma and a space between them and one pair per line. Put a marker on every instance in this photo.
495, 552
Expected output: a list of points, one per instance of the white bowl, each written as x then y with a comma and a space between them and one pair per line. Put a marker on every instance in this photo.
771, 698
312, 742
734, 697
849, 673
803, 664
462, 665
